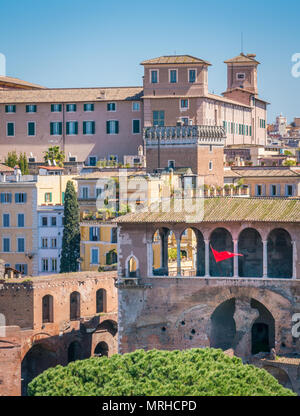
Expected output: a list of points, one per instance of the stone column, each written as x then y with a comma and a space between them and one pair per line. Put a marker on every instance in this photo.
265, 259
206, 258
178, 258
244, 317
235, 259
294, 259
149, 259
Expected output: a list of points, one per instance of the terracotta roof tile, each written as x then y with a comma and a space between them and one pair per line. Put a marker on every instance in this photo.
17, 81
4, 168
249, 58
175, 59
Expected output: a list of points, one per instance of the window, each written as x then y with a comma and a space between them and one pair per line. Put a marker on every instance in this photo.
54, 264
114, 235
240, 76
92, 160
5, 198
192, 75
48, 197
273, 190
135, 106
47, 309
88, 127
112, 127
154, 76
95, 256
258, 190
184, 103
210, 148
98, 192
289, 190
44, 242
74, 306
6, 245
6, 220
71, 128
31, 108
158, 118
171, 164
45, 265
31, 159
94, 234
10, 129
210, 165
88, 107
185, 121
56, 108
31, 128
22, 268
100, 300
53, 243
173, 76
72, 158
10, 108
44, 221
84, 192
71, 108
136, 126
56, 128
53, 221
111, 106
21, 244
21, 220
20, 198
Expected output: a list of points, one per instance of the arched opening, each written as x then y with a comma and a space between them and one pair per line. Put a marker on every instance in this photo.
74, 351
160, 252
74, 306
132, 267
37, 360
101, 301
251, 246
172, 254
263, 329
280, 254
108, 326
47, 309
101, 349
192, 253
280, 375
223, 329
221, 240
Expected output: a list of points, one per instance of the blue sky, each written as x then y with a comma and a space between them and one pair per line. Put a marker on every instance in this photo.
79, 43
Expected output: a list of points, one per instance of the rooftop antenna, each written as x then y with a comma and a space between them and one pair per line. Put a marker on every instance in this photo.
242, 43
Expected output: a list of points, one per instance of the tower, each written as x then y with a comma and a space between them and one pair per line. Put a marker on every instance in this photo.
242, 73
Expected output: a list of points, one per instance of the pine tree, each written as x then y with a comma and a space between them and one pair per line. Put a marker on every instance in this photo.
26, 168
71, 236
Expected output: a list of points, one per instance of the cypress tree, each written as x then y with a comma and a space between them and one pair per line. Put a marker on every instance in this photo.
71, 236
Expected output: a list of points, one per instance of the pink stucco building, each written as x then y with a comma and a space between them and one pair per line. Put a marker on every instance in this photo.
90, 124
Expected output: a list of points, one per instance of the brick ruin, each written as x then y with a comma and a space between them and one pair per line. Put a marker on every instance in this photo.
54, 320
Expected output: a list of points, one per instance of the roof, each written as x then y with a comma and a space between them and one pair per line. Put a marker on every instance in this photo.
108, 173
70, 95
221, 209
242, 58
50, 167
264, 172
4, 168
18, 82
175, 59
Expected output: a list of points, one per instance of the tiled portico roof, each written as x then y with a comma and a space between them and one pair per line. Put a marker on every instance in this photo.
222, 209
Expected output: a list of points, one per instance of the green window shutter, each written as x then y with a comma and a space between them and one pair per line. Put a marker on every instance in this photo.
10, 129
60, 127
68, 127
52, 108
107, 127
92, 107
76, 127
84, 127
63, 197
75, 107
117, 127
59, 107
31, 129
93, 127
51, 128
50, 196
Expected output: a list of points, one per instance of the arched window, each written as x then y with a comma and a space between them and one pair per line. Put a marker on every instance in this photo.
251, 246
221, 240
74, 351
132, 267
280, 254
160, 249
47, 308
101, 301
74, 306
192, 253
101, 349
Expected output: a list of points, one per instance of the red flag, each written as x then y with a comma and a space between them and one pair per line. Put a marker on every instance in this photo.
223, 255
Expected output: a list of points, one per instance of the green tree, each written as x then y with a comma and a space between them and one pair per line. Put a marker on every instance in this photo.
71, 236
23, 164
12, 159
54, 153
289, 163
191, 372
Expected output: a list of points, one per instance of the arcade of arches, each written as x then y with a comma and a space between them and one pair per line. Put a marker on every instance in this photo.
190, 254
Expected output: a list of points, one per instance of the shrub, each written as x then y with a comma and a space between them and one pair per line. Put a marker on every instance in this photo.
193, 372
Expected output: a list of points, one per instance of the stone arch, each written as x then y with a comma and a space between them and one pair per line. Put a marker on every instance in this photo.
101, 301
105, 333
251, 246
101, 349
280, 254
37, 359
281, 375
223, 328
74, 306
263, 329
74, 351
221, 240
47, 308
192, 243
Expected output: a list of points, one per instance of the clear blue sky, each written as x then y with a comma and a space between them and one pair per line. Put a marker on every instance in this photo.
78, 43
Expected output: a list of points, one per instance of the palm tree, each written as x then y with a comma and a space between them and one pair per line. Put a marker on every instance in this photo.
54, 153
